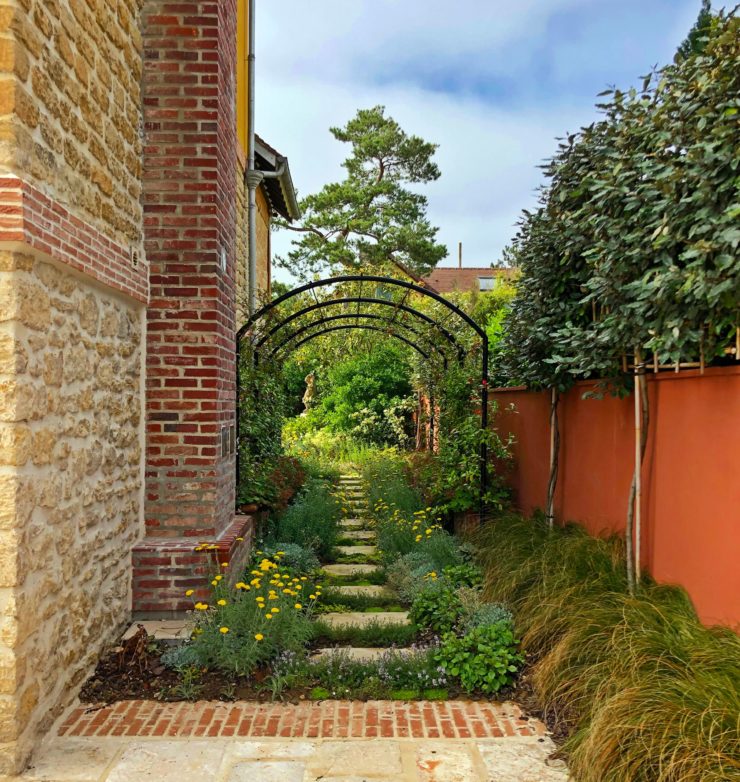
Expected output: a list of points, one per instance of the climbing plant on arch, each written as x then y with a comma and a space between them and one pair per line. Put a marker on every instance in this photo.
373, 303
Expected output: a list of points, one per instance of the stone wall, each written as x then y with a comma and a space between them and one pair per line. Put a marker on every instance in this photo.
70, 485
73, 286
70, 100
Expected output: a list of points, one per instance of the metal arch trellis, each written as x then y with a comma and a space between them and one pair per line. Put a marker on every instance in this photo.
259, 340
348, 316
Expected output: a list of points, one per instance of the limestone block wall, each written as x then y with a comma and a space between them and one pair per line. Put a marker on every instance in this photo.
70, 74
70, 485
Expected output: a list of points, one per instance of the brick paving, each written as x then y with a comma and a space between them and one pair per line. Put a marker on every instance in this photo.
307, 719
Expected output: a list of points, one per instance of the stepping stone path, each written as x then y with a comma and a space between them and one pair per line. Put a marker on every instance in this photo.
325, 741
358, 527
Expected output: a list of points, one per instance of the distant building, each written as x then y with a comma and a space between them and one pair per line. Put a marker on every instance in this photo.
467, 278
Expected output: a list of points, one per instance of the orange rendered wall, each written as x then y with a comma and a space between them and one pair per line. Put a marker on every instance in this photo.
691, 476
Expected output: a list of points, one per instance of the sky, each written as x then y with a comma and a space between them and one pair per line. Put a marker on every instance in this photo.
493, 82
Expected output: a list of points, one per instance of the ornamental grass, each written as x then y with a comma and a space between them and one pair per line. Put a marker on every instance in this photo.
644, 690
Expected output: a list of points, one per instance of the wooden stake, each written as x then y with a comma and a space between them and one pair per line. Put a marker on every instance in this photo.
638, 461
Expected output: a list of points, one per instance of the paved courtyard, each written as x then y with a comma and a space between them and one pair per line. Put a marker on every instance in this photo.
332, 741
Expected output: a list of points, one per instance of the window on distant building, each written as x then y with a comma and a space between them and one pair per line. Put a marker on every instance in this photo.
486, 283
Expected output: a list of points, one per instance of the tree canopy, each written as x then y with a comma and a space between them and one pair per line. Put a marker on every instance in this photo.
372, 220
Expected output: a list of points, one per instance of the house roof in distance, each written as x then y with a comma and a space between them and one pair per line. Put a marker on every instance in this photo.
280, 191
446, 279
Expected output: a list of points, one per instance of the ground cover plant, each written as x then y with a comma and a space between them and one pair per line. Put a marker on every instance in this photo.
312, 521
645, 692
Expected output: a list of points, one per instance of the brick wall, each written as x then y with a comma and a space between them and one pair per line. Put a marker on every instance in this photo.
190, 162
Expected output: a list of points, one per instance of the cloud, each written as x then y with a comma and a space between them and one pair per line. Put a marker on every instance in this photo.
492, 82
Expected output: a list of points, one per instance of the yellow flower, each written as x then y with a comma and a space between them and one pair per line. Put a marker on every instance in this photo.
428, 531
268, 616
240, 585
214, 583
221, 602
418, 538
223, 630
218, 578
258, 636
312, 597
304, 578
201, 606
275, 610
189, 592
298, 606
224, 564
239, 538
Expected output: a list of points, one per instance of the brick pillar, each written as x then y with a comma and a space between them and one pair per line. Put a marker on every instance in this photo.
190, 159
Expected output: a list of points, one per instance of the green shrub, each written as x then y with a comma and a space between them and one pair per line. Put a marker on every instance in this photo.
406, 575
312, 521
485, 659
298, 559
647, 693
437, 606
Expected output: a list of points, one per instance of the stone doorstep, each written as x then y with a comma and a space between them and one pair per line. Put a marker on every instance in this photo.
165, 568
162, 629
363, 618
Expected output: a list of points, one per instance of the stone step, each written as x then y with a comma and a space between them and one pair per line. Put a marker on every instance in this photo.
367, 551
370, 590
363, 618
348, 570
354, 523
362, 654
162, 629
360, 534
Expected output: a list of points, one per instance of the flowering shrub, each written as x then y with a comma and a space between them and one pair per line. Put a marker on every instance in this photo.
248, 623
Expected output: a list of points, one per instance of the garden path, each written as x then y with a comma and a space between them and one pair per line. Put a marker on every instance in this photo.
331, 741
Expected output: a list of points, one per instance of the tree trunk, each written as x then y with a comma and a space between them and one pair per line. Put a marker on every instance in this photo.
633, 532
554, 454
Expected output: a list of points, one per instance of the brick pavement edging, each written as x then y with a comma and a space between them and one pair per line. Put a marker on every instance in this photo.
307, 719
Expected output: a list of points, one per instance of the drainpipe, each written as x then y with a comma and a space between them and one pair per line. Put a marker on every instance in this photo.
252, 177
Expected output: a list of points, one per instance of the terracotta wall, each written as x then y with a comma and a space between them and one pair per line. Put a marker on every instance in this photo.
691, 505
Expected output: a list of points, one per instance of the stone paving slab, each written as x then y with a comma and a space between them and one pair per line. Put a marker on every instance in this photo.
131, 759
348, 570
363, 618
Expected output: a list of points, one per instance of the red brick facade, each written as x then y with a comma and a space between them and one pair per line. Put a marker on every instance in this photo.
29, 217
190, 222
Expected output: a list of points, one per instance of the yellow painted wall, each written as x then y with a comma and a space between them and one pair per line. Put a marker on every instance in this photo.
242, 53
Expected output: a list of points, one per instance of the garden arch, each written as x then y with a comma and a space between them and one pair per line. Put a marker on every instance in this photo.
266, 324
